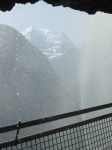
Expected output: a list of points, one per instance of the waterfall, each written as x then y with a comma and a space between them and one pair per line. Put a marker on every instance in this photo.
96, 66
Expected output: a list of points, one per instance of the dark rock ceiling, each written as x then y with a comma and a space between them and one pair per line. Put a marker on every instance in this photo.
89, 6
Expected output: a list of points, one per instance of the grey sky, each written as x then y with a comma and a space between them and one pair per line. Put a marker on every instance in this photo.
41, 15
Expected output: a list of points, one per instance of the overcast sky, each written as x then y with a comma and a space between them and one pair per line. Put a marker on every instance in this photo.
41, 15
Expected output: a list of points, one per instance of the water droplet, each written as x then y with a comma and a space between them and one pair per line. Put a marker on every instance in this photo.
17, 93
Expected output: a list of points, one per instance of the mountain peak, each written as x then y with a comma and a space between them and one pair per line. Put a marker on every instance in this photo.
45, 30
29, 29
27, 32
51, 43
25, 80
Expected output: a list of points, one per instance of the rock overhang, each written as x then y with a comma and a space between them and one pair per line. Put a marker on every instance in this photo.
89, 6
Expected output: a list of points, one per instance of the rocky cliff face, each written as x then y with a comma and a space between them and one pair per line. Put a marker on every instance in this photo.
29, 88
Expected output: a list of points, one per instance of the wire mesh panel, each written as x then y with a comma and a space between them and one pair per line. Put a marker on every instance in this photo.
92, 134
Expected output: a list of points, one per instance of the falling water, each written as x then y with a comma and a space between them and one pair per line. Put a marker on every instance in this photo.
96, 65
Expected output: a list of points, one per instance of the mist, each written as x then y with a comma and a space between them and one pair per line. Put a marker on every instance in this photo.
95, 69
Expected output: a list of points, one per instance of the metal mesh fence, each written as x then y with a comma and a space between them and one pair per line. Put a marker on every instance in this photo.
92, 134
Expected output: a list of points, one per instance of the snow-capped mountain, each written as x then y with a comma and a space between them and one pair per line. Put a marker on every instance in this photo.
52, 44
62, 54
29, 88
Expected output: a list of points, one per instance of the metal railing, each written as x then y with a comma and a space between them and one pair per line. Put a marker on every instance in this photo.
91, 134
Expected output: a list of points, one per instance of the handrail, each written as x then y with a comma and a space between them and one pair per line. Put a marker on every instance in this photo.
46, 133
53, 118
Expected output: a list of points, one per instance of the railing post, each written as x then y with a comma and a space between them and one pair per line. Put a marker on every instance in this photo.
18, 129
